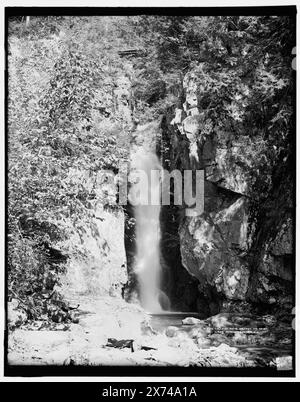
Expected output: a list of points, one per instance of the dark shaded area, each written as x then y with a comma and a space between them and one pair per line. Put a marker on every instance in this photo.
177, 283
129, 291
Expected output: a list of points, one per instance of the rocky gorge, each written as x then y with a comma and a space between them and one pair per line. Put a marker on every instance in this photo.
213, 269
225, 276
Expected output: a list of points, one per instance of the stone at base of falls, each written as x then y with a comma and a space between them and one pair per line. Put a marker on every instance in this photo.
220, 321
226, 348
240, 339
203, 331
146, 328
203, 342
227, 320
171, 331
191, 321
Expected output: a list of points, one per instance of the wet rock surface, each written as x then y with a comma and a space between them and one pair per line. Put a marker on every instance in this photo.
103, 271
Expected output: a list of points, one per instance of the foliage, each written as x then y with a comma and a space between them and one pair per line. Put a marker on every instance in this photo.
62, 132
38, 296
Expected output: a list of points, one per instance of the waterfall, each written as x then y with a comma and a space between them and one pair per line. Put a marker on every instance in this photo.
147, 228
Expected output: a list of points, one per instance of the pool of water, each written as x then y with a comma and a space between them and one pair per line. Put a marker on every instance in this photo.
160, 321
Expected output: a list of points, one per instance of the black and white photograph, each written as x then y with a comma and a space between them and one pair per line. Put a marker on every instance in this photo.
150, 191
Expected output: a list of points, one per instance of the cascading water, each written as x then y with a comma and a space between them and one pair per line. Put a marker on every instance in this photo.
147, 229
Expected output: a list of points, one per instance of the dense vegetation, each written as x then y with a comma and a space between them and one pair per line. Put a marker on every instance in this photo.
64, 126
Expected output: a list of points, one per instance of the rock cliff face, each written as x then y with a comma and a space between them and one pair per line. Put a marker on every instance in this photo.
101, 269
99, 266
240, 251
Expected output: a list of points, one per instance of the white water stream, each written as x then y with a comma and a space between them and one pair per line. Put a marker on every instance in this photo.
147, 229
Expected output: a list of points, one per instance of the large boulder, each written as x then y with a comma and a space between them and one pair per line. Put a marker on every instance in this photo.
191, 321
212, 246
171, 331
99, 267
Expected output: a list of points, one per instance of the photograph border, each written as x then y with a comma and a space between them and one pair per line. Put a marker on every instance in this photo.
138, 371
